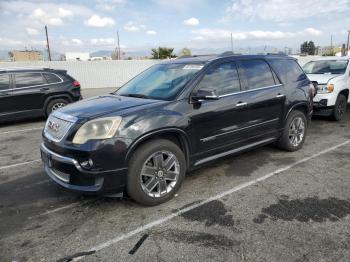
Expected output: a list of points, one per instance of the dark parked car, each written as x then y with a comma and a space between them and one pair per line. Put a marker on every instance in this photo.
28, 92
174, 117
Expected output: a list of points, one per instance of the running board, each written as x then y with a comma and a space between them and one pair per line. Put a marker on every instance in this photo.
233, 151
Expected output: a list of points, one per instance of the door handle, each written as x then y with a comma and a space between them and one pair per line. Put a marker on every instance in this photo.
240, 104
44, 89
280, 95
4, 94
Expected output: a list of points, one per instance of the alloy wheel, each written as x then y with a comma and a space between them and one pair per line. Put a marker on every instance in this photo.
296, 131
160, 174
57, 106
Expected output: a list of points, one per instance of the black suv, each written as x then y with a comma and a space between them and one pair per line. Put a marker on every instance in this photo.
174, 117
35, 92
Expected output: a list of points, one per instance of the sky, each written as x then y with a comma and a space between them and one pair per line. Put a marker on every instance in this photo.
90, 25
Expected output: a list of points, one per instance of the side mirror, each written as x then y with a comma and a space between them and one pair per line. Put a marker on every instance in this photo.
205, 94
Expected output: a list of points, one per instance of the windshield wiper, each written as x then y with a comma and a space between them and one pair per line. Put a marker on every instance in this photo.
136, 95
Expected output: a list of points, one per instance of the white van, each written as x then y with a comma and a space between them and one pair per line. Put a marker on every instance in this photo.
332, 75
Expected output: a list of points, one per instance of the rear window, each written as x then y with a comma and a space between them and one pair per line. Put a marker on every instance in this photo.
29, 79
4, 81
257, 73
288, 70
51, 78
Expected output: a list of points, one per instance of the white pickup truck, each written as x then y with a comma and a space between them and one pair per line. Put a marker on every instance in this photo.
333, 79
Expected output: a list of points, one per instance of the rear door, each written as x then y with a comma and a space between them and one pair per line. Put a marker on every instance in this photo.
5, 94
265, 97
29, 90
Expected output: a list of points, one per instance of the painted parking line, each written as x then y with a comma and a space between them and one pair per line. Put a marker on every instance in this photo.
20, 164
22, 130
216, 197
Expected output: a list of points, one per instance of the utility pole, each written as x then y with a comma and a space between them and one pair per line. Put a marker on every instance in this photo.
231, 42
118, 46
331, 44
347, 45
47, 43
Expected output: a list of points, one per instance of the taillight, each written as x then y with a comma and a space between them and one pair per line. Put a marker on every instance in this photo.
76, 83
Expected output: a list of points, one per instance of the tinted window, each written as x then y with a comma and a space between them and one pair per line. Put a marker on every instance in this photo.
4, 81
51, 78
222, 78
257, 73
288, 70
29, 79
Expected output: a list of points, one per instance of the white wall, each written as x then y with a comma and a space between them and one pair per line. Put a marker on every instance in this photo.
113, 73
93, 74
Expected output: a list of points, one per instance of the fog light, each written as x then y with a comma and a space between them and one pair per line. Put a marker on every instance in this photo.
87, 164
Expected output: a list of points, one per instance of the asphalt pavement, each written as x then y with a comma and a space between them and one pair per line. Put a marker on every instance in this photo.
263, 205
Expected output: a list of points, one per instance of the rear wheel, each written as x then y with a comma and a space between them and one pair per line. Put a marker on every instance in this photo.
55, 104
339, 108
294, 132
156, 172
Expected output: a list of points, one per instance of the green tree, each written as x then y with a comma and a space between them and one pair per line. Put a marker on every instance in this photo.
312, 48
162, 53
304, 48
308, 48
185, 52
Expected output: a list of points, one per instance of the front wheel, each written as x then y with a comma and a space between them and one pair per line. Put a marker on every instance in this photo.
339, 108
156, 172
294, 132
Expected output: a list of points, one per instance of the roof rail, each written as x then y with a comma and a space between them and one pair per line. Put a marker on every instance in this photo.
279, 54
227, 53
24, 68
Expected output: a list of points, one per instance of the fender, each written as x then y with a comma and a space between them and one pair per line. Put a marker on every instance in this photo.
49, 98
182, 135
299, 104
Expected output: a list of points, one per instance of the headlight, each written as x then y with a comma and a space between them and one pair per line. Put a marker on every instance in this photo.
324, 89
101, 128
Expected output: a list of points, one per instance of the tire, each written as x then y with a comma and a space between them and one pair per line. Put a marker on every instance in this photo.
55, 104
291, 140
146, 169
339, 108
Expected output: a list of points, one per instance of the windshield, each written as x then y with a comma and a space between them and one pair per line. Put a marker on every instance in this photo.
163, 81
334, 67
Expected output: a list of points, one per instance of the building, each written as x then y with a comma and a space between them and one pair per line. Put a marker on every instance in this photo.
27, 55
77, 56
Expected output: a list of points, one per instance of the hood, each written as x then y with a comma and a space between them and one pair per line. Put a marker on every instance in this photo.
103, 105
321, 78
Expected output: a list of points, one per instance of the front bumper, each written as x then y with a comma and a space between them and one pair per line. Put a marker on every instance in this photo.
67, 172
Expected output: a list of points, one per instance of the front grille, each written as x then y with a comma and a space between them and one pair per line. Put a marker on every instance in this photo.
56, 128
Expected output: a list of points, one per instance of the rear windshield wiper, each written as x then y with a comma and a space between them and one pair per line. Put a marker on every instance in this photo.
136, 95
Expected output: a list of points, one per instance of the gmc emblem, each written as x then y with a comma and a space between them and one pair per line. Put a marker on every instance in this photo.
53, 126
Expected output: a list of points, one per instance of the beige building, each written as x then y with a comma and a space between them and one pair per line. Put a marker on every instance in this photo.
26, 55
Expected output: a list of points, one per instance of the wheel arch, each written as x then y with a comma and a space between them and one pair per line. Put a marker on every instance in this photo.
53, 97
176, 135
302, 106
345, 92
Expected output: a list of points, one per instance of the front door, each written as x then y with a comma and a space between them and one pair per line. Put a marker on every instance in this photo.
219, 124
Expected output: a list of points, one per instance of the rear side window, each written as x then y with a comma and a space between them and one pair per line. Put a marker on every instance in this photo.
29, 79
222, 78
51, 78
288, 70
4, 81
257, 73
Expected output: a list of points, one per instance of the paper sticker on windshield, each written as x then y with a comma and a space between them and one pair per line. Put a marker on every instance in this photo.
193, 67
